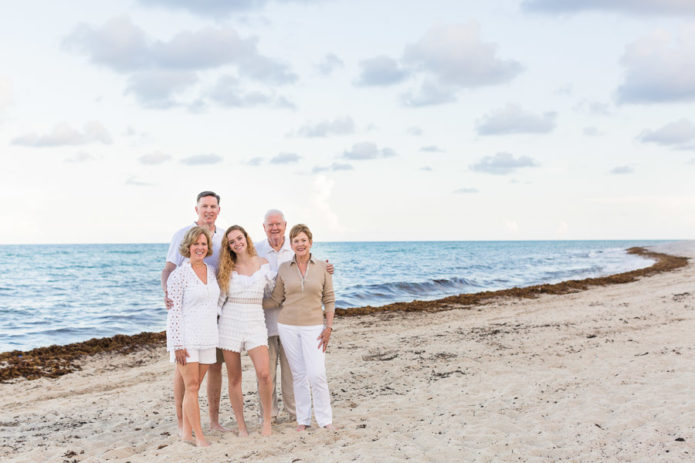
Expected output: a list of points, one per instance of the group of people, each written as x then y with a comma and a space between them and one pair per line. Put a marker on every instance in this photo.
225, 295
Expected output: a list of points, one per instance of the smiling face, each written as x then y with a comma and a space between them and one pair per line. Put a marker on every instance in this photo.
207, 209
274, 227
199, 249
301, 245
237, 242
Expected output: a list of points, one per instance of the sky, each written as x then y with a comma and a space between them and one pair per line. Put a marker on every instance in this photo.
366, 120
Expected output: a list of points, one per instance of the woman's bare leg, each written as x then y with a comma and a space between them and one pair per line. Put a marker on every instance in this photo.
191, 409
233, 362
261, 362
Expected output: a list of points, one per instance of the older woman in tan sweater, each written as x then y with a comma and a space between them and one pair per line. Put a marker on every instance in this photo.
302, 287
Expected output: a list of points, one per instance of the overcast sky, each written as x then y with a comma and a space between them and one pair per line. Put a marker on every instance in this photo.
366, 120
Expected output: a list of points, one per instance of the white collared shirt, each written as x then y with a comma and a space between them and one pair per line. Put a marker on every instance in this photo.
275, 259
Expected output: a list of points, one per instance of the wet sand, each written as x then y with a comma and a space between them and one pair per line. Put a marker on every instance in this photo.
580, 371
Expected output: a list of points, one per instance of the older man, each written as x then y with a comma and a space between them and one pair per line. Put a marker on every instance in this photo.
276, 249
207, 208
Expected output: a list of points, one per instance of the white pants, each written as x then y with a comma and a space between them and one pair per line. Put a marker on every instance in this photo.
308, 366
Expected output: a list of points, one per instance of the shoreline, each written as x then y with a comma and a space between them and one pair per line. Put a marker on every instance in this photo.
58, 360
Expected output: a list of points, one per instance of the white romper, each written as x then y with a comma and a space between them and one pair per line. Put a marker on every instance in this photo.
242, 320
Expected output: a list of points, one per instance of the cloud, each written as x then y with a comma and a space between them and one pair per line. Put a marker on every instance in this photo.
338, 126
649, 7
80, 157
227, 92
456, 56
675, 133
329, 63
502, 164
593, 107
216, 8
5, 92
323, 186
134, 181
659, 69
431, 149
465, 191
285, 158
513, 119
157, 88
429, 94
367, 150
63, 135
201, 159
414, 130
426, 168
154, 158
334, 167
380, 71
255, 161
621, 170
592, 132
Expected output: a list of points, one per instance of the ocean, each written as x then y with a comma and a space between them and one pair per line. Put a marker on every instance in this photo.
59, 294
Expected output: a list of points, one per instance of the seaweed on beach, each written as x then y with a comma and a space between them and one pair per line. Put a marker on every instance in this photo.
55, 361
664, 263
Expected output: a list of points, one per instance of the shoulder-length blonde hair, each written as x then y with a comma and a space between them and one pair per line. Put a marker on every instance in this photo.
191, 237
228, 258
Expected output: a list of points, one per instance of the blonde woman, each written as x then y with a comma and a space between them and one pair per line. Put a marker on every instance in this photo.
302, 287
243, 277
192, 325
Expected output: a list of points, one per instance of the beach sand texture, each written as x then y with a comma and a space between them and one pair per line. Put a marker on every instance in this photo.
599, 375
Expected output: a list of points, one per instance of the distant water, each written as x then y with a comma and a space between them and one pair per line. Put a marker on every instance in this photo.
58, 294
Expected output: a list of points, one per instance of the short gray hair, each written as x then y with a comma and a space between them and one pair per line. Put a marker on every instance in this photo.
273, 212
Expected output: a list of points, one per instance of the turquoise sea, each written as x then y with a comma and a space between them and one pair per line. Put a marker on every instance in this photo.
58, 294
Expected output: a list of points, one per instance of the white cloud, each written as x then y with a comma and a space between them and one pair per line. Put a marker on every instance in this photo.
429, 94
228, 92
217, 8
157, 88
512, 226
80, 157
414, 131
622, 170
329, 63
285, 158
323, 186
513, 119
63, 135
426, 168
456, 56
134, 181
154, 158
379, 71
367, 150
201, 159
431, 149
502, 164
659, 69
466, 191
338, 126
674, 133
592, 131
650, 7
334, 167
255, 161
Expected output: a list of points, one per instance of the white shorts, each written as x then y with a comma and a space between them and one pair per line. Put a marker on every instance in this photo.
204, 356
246, 336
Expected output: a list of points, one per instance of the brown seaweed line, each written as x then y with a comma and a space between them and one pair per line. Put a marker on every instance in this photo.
54, 361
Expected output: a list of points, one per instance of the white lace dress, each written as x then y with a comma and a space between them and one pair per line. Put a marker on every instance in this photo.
242, 320
192, 321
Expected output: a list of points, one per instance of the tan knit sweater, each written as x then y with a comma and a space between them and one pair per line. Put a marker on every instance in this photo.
301, 298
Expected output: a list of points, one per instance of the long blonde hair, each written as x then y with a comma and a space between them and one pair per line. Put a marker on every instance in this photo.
228, 258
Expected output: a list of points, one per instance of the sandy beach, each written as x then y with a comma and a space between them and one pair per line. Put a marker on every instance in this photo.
604, 374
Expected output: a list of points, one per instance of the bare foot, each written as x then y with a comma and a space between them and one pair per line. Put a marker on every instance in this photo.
218, 427
202, 443
180, 431
189, 441
330, 427
302, 427
243, 433
266, 430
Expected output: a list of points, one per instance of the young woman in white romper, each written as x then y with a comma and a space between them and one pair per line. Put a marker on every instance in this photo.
243, 278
